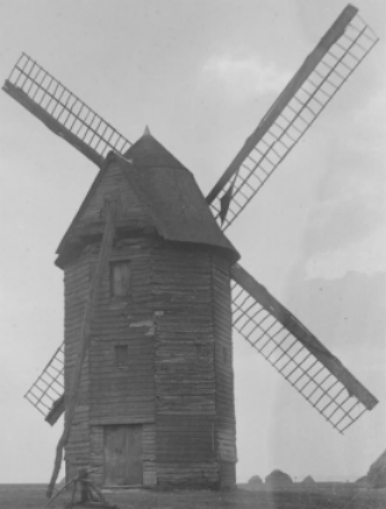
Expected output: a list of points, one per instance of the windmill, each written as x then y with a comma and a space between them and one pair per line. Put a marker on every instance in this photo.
153, 288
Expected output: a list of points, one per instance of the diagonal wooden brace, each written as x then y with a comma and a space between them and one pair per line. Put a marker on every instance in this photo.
85, 337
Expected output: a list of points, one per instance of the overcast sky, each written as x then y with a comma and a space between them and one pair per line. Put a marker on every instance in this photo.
201, 74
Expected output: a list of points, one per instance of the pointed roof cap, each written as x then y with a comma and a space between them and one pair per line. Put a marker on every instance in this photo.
147, 152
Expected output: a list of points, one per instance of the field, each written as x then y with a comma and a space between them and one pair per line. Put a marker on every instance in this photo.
32, 496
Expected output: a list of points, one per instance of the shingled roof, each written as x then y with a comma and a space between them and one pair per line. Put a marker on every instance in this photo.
177, 207
147, 153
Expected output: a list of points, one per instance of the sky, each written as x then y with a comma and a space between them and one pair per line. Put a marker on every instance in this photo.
201, 74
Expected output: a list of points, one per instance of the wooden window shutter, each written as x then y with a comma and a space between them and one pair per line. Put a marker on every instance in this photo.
120, 278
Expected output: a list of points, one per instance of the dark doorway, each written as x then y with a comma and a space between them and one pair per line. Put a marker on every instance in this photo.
123, 455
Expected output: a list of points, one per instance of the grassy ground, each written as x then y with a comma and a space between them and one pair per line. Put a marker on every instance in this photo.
346, 497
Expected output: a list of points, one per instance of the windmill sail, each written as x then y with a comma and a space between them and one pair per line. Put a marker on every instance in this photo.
296, 353
322, 74
62, 111
46, 393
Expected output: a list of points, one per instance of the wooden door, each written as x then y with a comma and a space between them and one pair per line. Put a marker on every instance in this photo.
123, 455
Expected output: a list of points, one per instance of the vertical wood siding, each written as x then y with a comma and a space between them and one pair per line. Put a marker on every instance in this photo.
176, 376
228, 474
119, 392
185, 384
76, 287
112, 394
149, 454
125, 394
109, 393
225, 407
178, 379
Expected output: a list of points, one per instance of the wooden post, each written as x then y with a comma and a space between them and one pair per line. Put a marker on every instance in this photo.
85, 337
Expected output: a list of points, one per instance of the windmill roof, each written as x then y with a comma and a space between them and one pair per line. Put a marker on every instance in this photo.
176, 206
147, 153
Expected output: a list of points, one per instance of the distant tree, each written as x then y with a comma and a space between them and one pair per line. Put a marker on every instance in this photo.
255, 482
308, 480
278, 479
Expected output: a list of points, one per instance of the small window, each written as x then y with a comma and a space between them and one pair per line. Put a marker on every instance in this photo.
120, 278
121, 355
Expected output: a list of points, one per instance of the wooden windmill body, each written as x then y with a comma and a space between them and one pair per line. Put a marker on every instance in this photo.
155, 402
153, 290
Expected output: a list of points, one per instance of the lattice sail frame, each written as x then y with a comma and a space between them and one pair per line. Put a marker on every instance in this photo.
318, 80
48, 388
323, 73
296, 354
62, 111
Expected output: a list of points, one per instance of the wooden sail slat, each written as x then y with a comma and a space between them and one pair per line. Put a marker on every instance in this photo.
325, 70
49, 385
62, 111
296, 353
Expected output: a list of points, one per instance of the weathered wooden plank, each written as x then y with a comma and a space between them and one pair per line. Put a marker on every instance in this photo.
225, 423
71, 395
